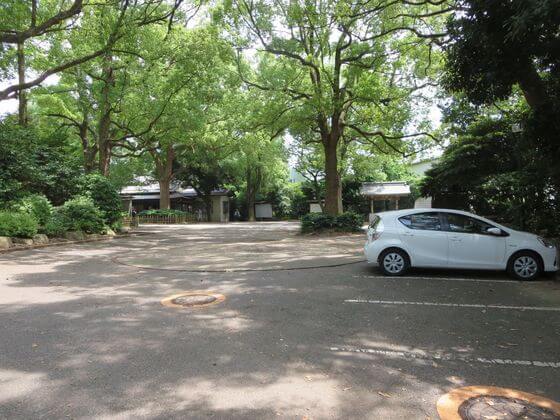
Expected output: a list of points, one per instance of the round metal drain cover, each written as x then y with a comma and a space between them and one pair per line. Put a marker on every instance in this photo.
193, 299
488, 402
503, 408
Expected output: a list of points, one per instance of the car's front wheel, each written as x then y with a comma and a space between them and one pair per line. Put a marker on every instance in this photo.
525, 265
394, 262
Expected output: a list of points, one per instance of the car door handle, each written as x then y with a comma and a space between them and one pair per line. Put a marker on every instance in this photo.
455, 239
408, 234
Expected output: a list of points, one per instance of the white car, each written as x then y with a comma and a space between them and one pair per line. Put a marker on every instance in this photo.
441, 238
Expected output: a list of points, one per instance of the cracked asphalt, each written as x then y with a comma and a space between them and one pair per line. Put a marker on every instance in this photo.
83, 333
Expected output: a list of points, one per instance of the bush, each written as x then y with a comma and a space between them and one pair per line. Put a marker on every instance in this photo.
319, 222
163, 212
81, 214
104, 194
17, 224
349, 222
36, 205
56, 226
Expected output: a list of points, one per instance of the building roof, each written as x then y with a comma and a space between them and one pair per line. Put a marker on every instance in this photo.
384, 189
151, 191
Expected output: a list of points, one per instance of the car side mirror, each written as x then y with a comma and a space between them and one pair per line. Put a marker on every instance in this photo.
494, 231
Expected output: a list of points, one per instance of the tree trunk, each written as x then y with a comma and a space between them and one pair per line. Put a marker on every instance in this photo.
533, 87
104, 131
89, 151
333, 188
251, 208
164, 168
164, 196
22, 94
253, 183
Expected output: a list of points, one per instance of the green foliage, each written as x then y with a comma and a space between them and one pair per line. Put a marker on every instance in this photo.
31, 162
38, 206
499, 174
57, 225
104, 195
496, 44
317, 222
81, 214
19, 225
320, 222
162, 212
349, 222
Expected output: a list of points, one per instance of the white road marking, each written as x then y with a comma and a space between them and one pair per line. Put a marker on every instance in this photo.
455, 305
436, 278
446, 357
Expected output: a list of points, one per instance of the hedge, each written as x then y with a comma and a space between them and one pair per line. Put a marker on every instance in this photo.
319, 222
18, 224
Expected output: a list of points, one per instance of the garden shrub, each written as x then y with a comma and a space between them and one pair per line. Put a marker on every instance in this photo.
316, 222
162, 212
104, 194
36, 205
17, 224
319, 222
349, 222
56, 226
81, 214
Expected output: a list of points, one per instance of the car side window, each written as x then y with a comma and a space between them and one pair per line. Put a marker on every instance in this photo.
465, 224
421, 221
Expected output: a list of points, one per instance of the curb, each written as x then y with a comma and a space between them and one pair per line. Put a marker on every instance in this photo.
37, 246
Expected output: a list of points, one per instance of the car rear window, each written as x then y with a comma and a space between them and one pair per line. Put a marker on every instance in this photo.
375, 222
421, 221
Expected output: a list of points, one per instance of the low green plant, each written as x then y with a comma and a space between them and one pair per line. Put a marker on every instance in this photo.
162, 212
36, 205
81, 214
17, 224
104, 194
349, 222
319, 222
56, 226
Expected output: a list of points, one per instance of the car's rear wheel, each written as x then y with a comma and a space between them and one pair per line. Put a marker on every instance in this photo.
525, 265
394, 262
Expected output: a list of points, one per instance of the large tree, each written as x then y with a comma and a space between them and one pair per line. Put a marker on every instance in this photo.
345, 70
495, 45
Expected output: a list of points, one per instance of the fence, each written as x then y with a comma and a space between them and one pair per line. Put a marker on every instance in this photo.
170, 219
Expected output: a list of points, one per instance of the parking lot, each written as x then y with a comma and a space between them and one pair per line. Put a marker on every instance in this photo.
305, 329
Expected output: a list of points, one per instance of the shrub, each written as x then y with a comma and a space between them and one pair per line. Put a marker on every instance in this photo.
17, 224
349, 222
318, 222
36, 205
56, 226
81, 214
104, 194
163, 212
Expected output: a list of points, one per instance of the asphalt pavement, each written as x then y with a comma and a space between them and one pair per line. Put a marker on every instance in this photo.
83, 333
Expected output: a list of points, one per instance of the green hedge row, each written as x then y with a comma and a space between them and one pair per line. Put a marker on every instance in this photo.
319, 222
162, 212
93, 210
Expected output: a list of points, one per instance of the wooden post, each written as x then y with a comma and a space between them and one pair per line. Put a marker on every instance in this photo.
397, 203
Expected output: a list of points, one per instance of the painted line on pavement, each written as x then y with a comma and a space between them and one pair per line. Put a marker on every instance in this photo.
455, 305
445, 357
435, 278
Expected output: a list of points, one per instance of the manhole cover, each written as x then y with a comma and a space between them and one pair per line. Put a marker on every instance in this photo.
503, 408
488, 402
193, 299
